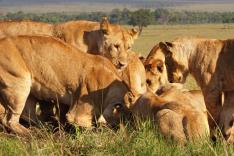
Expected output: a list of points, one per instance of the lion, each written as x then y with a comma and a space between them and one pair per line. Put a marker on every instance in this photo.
134, 77
92, 37
179, 114
134, 74
210, 63
156, 71
109, 40
48, 69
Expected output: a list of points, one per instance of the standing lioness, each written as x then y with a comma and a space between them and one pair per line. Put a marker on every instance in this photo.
210, 61
99, 38
109, 40
48, 69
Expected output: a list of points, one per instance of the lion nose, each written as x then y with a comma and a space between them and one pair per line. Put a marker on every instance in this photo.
176, 78
122, 65
148, 82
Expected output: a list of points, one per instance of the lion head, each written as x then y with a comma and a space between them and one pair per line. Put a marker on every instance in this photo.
156, 71
116, 43
176, 62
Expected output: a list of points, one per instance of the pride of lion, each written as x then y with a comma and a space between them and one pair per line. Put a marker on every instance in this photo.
88, 72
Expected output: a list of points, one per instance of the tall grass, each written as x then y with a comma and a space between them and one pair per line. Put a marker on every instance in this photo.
144, 139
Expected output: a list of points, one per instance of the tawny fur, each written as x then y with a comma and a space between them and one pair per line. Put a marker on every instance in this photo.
109, 40
48, 69
134, 74
14, 28
179, 114
210, 61
92, 37
156, 71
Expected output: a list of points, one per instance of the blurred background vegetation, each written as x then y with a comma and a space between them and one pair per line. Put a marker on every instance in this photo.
140, 17
126, 16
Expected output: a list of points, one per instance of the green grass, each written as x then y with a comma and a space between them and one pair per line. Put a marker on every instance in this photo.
142, 140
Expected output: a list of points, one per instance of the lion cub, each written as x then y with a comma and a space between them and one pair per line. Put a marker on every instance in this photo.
179, 114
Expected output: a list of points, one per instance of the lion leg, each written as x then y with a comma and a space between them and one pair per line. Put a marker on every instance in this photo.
15, 96
28, 114
213, 101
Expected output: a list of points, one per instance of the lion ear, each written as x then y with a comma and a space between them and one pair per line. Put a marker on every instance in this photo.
129, 99
169, 44
166, 47
135, 33
105, 25
143, 59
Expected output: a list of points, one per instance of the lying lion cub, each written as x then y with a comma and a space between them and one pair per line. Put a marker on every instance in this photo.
49, 69
179, 114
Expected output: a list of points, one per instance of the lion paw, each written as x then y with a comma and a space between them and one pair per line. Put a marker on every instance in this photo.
18, 129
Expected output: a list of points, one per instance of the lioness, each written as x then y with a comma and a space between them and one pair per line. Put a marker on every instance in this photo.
109, 40
48, 69
156, 71
180, 115
134, 74
210, 61
103, 38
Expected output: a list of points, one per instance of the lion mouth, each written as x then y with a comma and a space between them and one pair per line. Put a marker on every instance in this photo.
121, 66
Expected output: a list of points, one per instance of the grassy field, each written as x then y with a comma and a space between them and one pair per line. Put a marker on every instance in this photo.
206, 7
142, 140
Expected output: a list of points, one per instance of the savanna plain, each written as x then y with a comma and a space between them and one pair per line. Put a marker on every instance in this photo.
143, 138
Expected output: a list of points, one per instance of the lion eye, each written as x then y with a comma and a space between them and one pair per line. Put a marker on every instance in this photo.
118, 106
129, 47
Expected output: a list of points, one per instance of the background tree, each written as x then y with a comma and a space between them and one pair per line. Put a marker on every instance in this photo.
125, 16
115, 16
161, 16
141, 18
